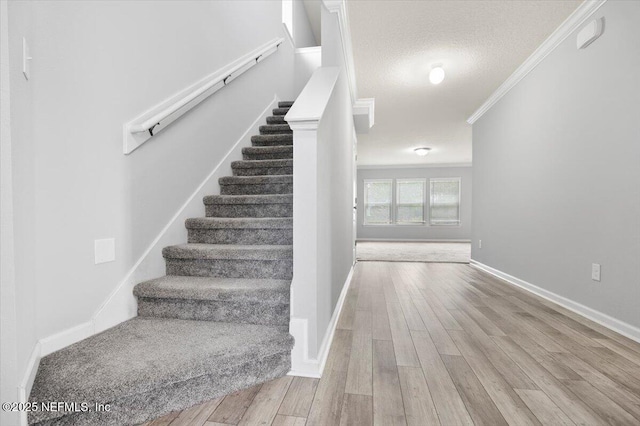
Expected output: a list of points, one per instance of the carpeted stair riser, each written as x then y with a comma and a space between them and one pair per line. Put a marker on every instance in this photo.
249, 210
285, 104
268, 153
276, 119
241, 236
272, 140
258, 206
249, 231
280, 111
262, 167
256, 185
231, 268
215, 310
267, 188
275, 128
263, 171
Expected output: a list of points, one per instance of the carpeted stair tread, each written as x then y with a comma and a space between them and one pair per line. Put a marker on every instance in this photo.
228, 251
146, 355
255, 180
213, 288
280, 111
260, 164
275, 128
249, 199
272, 139
267, 152
285, 104
239, 223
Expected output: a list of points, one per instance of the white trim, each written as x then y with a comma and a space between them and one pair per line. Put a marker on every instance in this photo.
413, 240
412, 166
66, 337
287, 35
628, 330
306, 366
364, 114
310, 49
310, 105
24, 389
577, 18
339, 7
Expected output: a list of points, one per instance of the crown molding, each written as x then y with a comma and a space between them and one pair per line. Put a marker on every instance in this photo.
577, 18
363, 114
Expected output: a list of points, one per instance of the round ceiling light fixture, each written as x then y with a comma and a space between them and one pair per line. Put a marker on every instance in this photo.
422, 151
436, 75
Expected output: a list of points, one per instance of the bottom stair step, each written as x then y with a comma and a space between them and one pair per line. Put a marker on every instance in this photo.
147, 367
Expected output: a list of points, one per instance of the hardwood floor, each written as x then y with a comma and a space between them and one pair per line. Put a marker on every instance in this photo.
433, 343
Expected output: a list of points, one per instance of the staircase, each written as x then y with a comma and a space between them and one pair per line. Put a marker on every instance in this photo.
217, 322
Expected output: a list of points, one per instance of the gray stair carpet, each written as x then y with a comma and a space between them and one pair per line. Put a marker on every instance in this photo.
216, 323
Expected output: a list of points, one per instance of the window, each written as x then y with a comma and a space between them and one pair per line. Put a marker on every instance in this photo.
444, 206
377, 201
410, 201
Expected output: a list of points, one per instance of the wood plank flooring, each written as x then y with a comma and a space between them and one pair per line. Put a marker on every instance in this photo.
436, 343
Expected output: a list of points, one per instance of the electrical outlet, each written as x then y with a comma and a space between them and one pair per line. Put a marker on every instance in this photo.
595, 271
105, 250
479, 243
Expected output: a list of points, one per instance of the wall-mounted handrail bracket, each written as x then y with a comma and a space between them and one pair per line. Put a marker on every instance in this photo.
153, 127
143, 128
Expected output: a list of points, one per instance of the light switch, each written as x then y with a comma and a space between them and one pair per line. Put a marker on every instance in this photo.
105, 250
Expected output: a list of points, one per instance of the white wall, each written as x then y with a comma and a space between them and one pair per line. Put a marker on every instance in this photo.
302, 32
556, 178
97, 65
417, 232
335, 201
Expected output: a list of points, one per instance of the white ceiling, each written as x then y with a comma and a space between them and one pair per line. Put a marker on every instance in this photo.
479, 44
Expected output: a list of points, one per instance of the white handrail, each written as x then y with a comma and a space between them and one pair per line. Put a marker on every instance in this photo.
145, 126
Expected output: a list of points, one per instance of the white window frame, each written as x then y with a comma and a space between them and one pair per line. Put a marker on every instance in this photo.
366, 204
448, 179
397, 200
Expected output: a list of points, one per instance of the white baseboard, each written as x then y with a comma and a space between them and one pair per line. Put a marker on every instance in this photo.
302, 364
412, 240
24, 388
605, 320
121, 305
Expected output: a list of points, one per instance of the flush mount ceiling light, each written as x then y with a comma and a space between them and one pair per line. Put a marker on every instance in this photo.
436, 75
422, 151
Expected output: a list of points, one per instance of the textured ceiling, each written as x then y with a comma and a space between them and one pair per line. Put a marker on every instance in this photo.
479, 44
